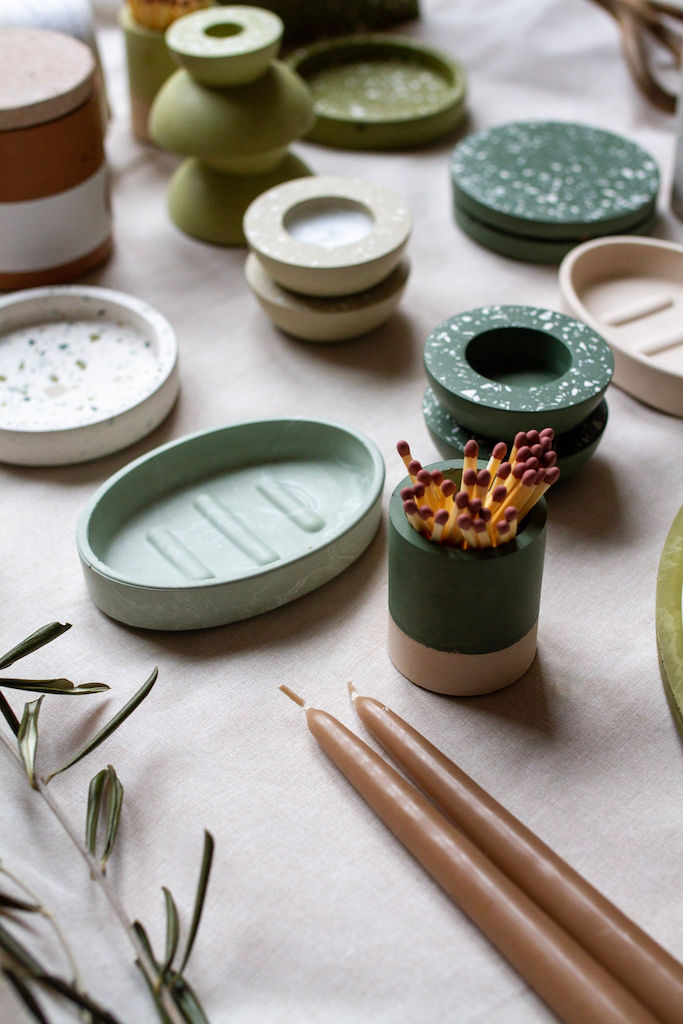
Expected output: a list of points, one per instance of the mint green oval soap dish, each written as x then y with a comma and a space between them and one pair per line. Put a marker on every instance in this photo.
224, 524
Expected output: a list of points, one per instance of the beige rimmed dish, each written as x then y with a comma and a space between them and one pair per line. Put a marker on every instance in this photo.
631, 290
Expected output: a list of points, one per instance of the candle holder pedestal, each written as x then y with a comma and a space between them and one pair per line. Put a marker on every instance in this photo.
232, 109
463, 622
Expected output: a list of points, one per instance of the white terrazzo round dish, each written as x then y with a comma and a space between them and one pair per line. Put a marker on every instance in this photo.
328, 235
84, 372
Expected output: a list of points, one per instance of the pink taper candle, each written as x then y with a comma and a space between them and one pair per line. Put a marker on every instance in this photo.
577, 988
634, 958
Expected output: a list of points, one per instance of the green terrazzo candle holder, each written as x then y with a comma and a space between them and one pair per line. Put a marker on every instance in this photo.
502, 369
232, 110
463, 622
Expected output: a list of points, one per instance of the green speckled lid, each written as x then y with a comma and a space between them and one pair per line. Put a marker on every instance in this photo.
500, 369
554, 179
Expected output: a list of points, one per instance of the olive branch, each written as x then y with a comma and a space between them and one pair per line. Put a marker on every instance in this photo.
173, 997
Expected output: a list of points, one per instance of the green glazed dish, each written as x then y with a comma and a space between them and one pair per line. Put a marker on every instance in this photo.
502, 369
554, 180
225, 524
381, 92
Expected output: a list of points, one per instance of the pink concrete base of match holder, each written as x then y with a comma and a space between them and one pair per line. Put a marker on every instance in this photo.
457, 674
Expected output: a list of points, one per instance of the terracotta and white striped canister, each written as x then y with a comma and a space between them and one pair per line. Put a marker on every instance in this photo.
55, 219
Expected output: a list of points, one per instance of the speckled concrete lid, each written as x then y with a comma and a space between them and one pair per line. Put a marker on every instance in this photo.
45, 75
501, 369
554, 179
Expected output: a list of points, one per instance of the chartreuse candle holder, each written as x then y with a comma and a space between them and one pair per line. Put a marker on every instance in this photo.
232, 109
463, 622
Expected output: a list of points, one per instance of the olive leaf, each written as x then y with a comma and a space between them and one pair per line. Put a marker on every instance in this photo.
38, 639
99, 1014
27, 738
105, 786
26, 996
18, 953
187, 1002
205, 870
9, 715
108, 729
12, 903
172, 933
53, 686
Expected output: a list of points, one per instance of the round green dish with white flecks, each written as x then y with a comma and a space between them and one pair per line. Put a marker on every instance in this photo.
554, 180
381, 92
502, 369
669, 618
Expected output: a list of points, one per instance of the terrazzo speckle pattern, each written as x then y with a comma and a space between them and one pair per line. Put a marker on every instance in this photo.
554, 179
374, 90
447, 364
76, 359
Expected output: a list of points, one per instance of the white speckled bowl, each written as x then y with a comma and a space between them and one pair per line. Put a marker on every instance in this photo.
83, 372
328, 235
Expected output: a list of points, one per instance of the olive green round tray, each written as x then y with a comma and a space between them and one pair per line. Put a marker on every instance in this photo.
669, 618
381, 92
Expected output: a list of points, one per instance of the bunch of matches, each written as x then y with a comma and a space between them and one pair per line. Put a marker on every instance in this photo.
491, 502
159, 14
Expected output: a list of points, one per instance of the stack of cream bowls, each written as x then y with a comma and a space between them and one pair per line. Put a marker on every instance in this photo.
326, 260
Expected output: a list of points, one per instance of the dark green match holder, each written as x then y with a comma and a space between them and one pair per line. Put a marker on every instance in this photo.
381, 92
502, 369
463, 622
228, 523
554, 180
574, 448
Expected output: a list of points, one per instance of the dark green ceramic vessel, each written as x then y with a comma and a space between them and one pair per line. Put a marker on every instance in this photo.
502, 369
471, 602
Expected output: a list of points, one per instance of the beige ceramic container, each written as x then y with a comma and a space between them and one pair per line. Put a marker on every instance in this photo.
631, 291
55, 221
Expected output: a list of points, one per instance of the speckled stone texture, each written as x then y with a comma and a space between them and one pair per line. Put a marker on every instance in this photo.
500, 369
554, 179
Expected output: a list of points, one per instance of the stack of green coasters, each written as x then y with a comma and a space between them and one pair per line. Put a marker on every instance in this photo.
532, 190
499, 370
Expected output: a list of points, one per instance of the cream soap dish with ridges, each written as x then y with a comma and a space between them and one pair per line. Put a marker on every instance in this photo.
84, 372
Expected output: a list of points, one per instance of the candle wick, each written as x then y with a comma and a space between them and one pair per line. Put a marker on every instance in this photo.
293, 696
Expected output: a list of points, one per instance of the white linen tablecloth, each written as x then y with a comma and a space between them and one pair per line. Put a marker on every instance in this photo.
315, 913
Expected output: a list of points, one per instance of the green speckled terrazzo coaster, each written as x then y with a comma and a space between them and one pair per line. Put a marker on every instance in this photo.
501, 369
554, 179
525, 248
573, 448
